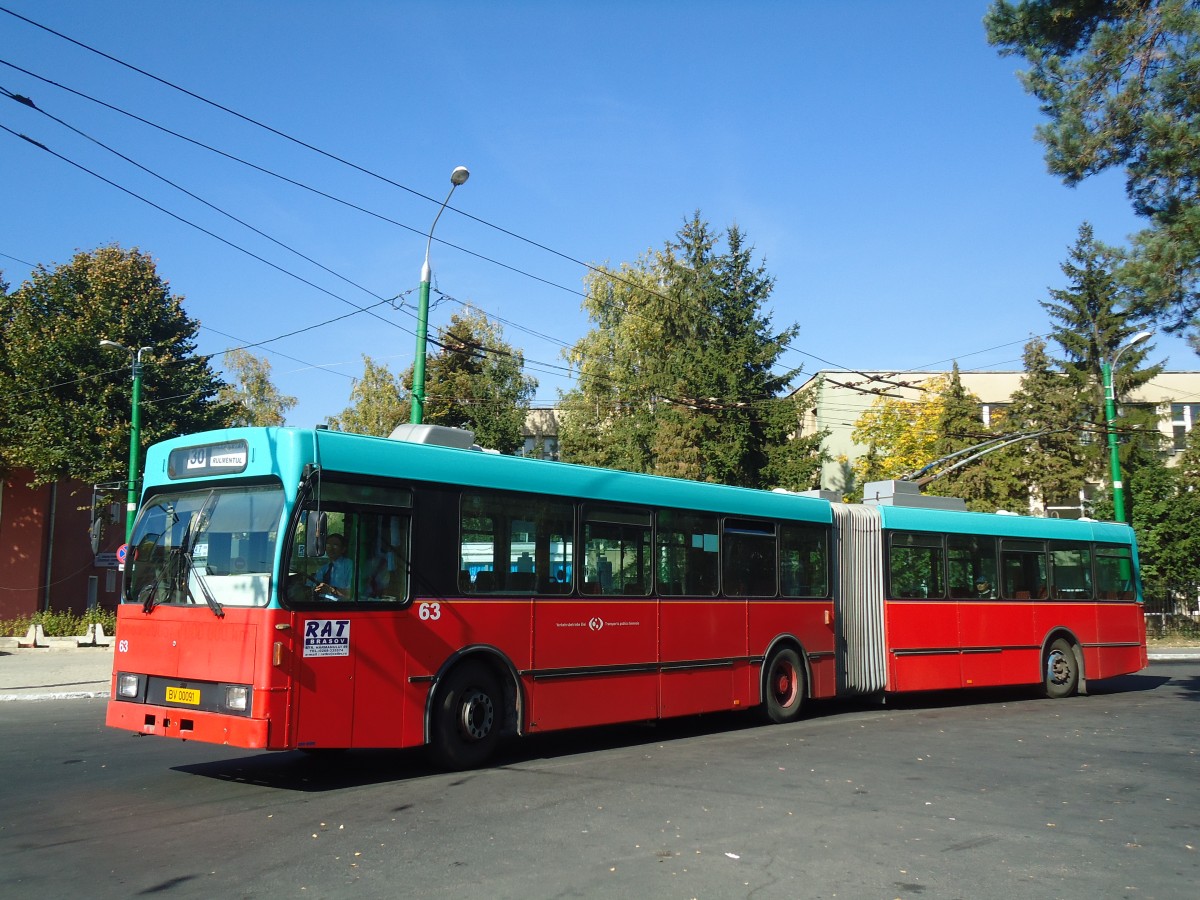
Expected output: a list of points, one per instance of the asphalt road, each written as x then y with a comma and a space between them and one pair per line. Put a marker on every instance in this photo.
974, 795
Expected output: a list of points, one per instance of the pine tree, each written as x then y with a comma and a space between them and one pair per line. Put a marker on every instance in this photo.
1054, 465
476, 381
1092, 324
678, 375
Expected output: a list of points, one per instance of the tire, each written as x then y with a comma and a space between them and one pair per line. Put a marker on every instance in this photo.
468, 715
1060, 670
783, 686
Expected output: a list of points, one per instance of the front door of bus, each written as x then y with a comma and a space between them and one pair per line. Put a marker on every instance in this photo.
324, 680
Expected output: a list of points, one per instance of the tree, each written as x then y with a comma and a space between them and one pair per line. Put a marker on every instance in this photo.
904, 436
476, 382
900, 434
66, 401
378, 403
678, 375
1117, 79
1091, 323
251, 397
1166, 508
1054, 465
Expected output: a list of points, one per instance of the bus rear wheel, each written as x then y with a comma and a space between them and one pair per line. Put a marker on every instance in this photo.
467, 717
783, 686
1060, 670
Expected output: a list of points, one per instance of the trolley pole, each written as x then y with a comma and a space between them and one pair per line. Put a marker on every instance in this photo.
1110, 424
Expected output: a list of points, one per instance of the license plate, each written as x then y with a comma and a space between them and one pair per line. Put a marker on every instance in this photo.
190, 696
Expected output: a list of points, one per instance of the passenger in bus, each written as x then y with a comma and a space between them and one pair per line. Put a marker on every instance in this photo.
335, 577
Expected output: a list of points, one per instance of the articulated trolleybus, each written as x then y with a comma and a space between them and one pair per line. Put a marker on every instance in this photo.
312, 589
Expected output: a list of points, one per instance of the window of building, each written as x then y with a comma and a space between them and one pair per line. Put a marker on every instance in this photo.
1184, 417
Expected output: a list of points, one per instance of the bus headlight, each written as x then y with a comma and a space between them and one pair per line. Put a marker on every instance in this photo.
129, 686
237, 697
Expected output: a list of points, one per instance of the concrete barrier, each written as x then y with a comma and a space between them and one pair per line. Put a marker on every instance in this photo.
34, 637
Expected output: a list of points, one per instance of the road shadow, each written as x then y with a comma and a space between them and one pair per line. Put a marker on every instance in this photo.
334, 770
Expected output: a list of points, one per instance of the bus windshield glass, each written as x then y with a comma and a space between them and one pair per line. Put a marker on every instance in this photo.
213, 546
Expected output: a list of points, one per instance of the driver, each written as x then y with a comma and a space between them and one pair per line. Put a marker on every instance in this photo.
336, 576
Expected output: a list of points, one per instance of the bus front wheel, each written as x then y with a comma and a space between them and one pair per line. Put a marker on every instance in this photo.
783, 686
1061, 670
467, 716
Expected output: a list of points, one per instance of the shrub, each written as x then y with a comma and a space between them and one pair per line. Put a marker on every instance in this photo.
60, 624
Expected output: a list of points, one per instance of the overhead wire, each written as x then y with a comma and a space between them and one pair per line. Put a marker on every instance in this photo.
607, 273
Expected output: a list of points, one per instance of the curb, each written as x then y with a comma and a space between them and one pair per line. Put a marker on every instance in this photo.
59, 695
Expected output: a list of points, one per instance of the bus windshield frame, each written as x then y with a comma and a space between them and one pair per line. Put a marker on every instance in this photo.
207, 543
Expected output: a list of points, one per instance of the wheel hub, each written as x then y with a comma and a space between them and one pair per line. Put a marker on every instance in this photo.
477, 714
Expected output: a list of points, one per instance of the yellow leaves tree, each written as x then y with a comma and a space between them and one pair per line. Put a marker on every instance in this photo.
901, 435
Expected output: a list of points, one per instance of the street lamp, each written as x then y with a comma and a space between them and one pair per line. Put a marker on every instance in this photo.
1110, 416
457, 177
135, 421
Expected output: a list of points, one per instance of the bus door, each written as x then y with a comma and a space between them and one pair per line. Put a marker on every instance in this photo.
595, 651
348, 582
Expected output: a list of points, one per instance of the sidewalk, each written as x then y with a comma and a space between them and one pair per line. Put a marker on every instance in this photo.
69, 672
57, 673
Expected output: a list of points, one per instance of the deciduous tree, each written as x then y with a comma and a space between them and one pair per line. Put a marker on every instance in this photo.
67, 401
250, 396
378, 402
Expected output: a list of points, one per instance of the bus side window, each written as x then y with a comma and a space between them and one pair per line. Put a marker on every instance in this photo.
916, 565
803, 561
686, 554
616, 552
972, 567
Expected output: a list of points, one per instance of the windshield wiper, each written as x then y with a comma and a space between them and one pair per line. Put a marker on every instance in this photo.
213, 603
200, 521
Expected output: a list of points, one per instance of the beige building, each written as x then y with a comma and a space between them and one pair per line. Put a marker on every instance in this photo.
843, 396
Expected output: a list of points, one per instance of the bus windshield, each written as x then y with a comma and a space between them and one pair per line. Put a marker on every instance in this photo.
213, 546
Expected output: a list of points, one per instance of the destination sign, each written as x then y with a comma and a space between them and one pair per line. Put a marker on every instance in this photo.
210, 459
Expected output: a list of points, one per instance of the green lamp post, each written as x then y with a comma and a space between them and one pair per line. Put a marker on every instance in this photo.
135, 422
457, 177
1110, 416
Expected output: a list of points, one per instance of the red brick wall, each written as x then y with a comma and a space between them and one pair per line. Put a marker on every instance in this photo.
26, 546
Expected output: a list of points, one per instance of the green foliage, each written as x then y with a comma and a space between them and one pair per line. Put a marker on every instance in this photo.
60, 624
476, 381
250, 396
1117, 79
65, 402
1165, 510
378, 403
678, 375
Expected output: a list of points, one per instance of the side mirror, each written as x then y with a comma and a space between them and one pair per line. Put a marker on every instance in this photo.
96, 534
315, 534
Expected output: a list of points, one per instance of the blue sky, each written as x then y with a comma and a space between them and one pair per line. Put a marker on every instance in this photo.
879, 155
